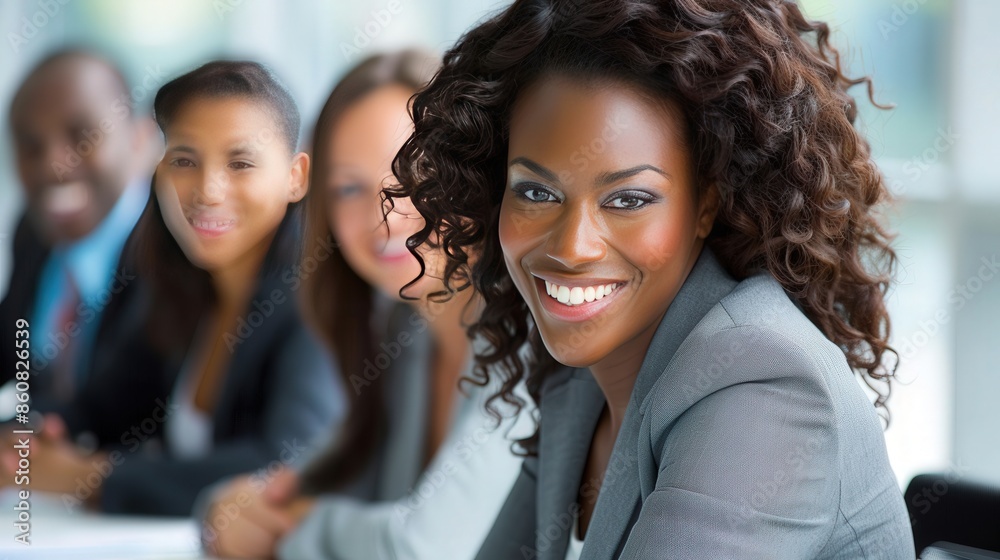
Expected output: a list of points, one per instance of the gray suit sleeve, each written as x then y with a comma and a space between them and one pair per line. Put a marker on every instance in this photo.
748, 471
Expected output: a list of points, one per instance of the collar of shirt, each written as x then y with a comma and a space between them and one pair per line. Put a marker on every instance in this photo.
92, 260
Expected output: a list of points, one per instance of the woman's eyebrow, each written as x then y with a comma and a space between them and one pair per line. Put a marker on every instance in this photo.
608, 177
604, 178
536, 168
243, 149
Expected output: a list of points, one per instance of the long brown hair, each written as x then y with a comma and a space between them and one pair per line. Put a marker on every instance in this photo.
770, 123
345, 322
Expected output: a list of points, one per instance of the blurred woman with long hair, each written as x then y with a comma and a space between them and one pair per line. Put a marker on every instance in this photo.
418, 470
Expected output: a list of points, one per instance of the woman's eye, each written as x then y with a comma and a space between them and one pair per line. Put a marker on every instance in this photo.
538, 195
629, 201
182, 162
535, 194
347, 191
240, 165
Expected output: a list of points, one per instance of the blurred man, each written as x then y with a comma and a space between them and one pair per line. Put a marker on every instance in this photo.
83, 158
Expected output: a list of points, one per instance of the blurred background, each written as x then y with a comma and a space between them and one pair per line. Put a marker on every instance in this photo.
937, 61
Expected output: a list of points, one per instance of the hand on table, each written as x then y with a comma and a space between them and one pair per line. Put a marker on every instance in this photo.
245, 521
56, 464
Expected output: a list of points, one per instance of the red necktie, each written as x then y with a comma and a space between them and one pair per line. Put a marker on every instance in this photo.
64, 366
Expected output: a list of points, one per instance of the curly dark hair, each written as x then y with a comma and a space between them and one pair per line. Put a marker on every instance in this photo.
770, 125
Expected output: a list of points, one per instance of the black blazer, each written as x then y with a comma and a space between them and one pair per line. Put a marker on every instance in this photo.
124, 376
278, 405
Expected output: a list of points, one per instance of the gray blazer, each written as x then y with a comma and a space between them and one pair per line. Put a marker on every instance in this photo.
398, 458
747, 436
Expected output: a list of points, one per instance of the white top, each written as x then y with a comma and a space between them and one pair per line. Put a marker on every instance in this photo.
188, 429
575, 543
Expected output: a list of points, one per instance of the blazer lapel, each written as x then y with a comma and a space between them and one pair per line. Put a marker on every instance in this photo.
569, 414
242, 382
620, 500
704, 287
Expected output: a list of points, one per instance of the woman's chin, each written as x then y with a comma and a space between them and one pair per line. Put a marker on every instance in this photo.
205, 260
573, 353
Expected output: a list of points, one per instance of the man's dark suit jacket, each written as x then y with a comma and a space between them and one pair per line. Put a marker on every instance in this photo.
123, 379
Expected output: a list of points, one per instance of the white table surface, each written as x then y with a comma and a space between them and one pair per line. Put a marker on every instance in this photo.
60, 533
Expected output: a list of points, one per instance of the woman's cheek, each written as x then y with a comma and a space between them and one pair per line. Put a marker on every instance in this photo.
345, 229
511, 229
169, 201
654, 244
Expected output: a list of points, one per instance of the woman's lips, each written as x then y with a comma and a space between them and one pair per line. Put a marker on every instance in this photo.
211, 226
394, 251
578, 300
395, 257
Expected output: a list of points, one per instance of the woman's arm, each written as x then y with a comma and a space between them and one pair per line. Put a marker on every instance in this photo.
447, 514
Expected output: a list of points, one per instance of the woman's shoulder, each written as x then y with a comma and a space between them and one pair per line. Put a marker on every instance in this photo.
760, 318
755, 335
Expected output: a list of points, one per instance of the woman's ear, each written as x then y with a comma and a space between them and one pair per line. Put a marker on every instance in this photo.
299, 177
708, 208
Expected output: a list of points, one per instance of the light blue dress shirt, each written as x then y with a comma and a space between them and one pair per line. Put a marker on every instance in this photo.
91, 262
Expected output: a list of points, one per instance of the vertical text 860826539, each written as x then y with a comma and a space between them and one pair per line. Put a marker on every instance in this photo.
21, 435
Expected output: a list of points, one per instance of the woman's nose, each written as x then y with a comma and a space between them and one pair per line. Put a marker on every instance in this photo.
212, 189
575, 238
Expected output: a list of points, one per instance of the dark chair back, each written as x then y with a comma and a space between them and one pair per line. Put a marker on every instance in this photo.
945, 507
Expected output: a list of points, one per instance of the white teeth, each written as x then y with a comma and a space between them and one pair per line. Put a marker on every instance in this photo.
211, 225
562, 294
578, 295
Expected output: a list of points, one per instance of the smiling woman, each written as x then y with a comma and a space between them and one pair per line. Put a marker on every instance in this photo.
224, 195
615, 241
670, 203
219, 234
